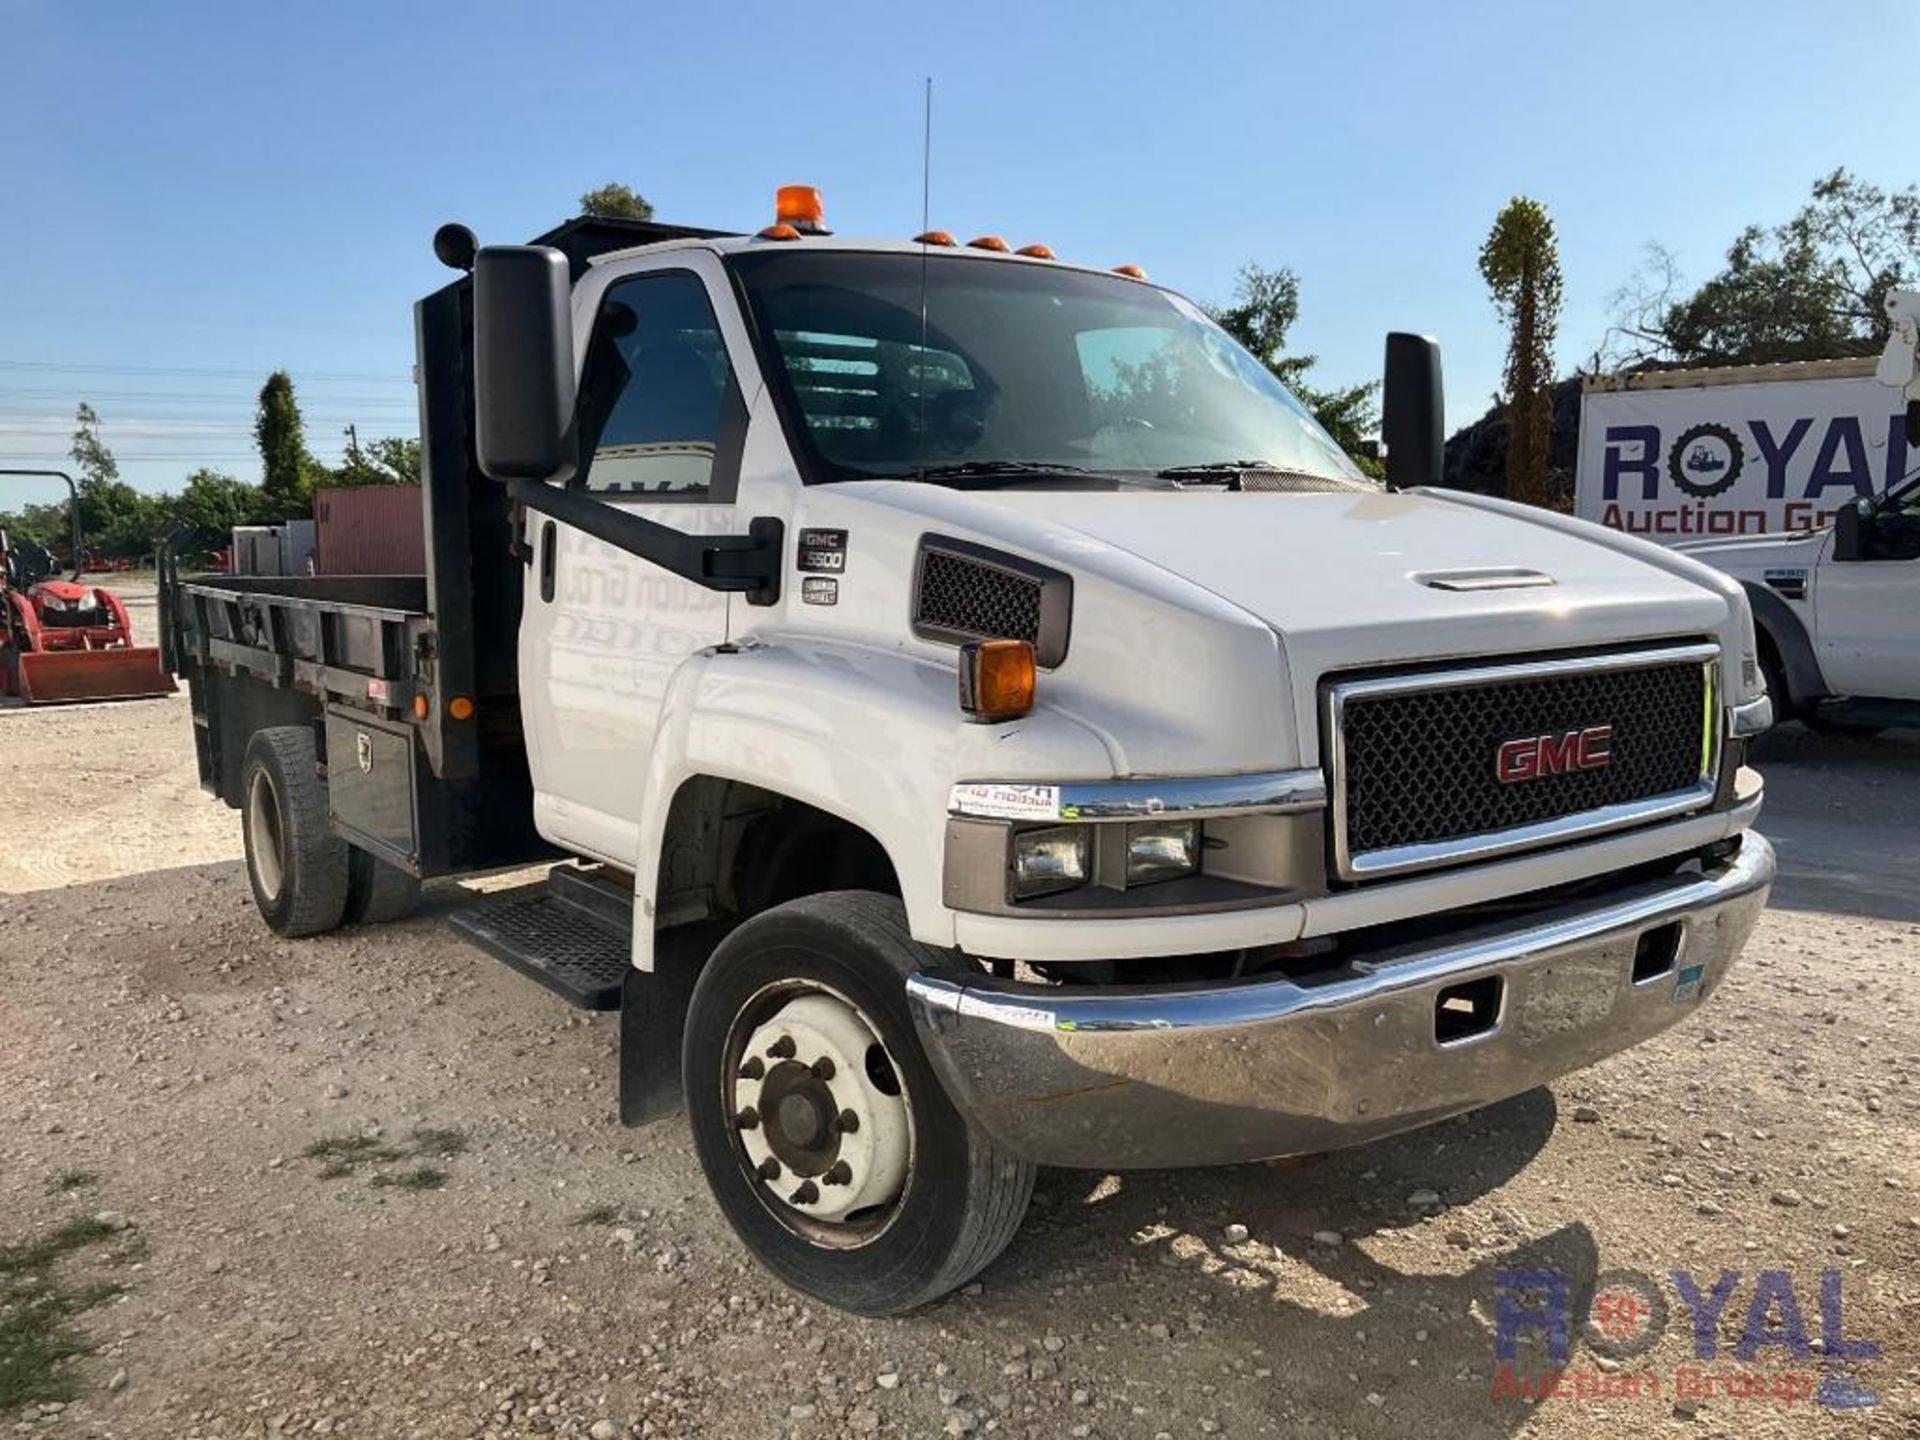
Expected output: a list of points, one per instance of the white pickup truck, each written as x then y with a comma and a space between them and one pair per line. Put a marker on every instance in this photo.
1835, 606
986, 723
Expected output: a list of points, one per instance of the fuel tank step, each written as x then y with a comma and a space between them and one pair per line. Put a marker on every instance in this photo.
579, 952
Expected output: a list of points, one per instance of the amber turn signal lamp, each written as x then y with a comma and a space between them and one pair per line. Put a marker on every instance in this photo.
800, 207
420, 707
1037, 252
987, 242
1132, 272
934, 237
996, 680
460, 707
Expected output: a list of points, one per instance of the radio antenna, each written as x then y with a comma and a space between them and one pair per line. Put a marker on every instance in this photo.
926, 211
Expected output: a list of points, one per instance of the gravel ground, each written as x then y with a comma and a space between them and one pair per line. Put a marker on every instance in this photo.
572, 1278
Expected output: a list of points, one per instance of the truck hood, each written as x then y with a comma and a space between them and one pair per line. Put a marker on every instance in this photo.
1203, 621
1360, 579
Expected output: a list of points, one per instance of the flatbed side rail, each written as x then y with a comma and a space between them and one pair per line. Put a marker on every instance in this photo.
362, 642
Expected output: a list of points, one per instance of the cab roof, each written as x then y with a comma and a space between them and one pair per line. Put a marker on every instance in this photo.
589, 240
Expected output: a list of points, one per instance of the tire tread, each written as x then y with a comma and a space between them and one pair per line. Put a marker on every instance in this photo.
315, 865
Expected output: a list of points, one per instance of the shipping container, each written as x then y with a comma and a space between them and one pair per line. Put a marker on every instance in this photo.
369, 530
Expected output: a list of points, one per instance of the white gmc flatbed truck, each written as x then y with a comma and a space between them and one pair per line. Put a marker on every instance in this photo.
983, 722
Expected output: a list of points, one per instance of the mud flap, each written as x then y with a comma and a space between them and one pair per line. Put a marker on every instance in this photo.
58, 677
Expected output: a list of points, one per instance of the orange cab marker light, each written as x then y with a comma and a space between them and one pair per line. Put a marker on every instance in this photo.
800, 207
1132, 272
778, 232
460, 707
933, 237
987, 242
420, 707
997, 680
1037, 252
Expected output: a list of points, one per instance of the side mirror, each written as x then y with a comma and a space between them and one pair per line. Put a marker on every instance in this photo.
1848, 522
523, 362
1412, 412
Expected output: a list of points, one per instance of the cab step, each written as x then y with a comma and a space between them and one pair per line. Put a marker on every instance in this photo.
574, 934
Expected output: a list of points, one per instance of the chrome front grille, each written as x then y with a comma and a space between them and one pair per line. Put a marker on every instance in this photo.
1440, 768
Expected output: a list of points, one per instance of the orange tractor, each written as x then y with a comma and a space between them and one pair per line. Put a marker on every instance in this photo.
62, 640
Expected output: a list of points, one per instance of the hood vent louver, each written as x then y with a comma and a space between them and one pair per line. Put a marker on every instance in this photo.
963, 591
1493, 577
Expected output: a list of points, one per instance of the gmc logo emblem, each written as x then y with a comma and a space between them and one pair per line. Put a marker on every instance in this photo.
1537, 755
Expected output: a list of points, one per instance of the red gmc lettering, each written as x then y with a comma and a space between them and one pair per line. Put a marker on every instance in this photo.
1537, 755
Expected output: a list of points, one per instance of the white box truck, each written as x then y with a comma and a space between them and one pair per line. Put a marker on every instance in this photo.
986, 723
1682, 455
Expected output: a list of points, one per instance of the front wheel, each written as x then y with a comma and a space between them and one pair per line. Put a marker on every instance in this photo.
828, 1141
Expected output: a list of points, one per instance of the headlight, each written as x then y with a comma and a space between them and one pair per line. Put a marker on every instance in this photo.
1162, 851
1045, 861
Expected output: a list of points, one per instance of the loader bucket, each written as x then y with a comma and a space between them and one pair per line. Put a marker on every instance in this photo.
58, 677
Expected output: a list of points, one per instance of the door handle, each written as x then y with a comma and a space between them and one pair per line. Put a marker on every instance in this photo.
549, 543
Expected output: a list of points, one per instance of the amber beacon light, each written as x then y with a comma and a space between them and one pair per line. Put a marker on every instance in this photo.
800, 207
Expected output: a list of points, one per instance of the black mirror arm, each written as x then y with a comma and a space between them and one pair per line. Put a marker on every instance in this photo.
744, 564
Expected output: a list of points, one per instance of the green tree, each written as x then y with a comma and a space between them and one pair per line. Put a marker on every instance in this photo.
287, 469
115, 519
389, 460
211, 504
1266, 303
1811, 288
1521, 265
89, 452
621, 202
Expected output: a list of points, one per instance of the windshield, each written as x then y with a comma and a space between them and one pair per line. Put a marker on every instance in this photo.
1020, 364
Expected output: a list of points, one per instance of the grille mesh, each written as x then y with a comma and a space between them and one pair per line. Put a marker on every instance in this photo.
1419, 766
969, 598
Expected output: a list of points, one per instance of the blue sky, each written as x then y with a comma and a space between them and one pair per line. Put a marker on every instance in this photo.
196, 193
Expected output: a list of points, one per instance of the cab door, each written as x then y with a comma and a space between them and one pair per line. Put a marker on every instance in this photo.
1865, 609
662, 421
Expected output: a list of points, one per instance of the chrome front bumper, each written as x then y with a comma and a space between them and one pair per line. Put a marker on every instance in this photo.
1118, 1077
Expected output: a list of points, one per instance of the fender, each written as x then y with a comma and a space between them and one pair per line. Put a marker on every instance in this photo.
1791, 642
875, 737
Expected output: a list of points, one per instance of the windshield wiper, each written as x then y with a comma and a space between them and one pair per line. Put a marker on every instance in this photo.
1218, 467
1013, 472
1232, 474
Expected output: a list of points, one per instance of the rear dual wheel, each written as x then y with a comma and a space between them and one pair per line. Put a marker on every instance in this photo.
307, 880
827, 1139
298, 866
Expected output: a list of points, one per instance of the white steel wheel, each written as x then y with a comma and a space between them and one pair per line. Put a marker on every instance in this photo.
821, 1116
266, 841
827, 1139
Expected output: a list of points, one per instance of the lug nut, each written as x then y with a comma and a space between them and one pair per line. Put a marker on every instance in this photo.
840, 1174
846, 1122
781, 1049
753, 1069
806, 1194
747, 1119
769, 1169
823, 1069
